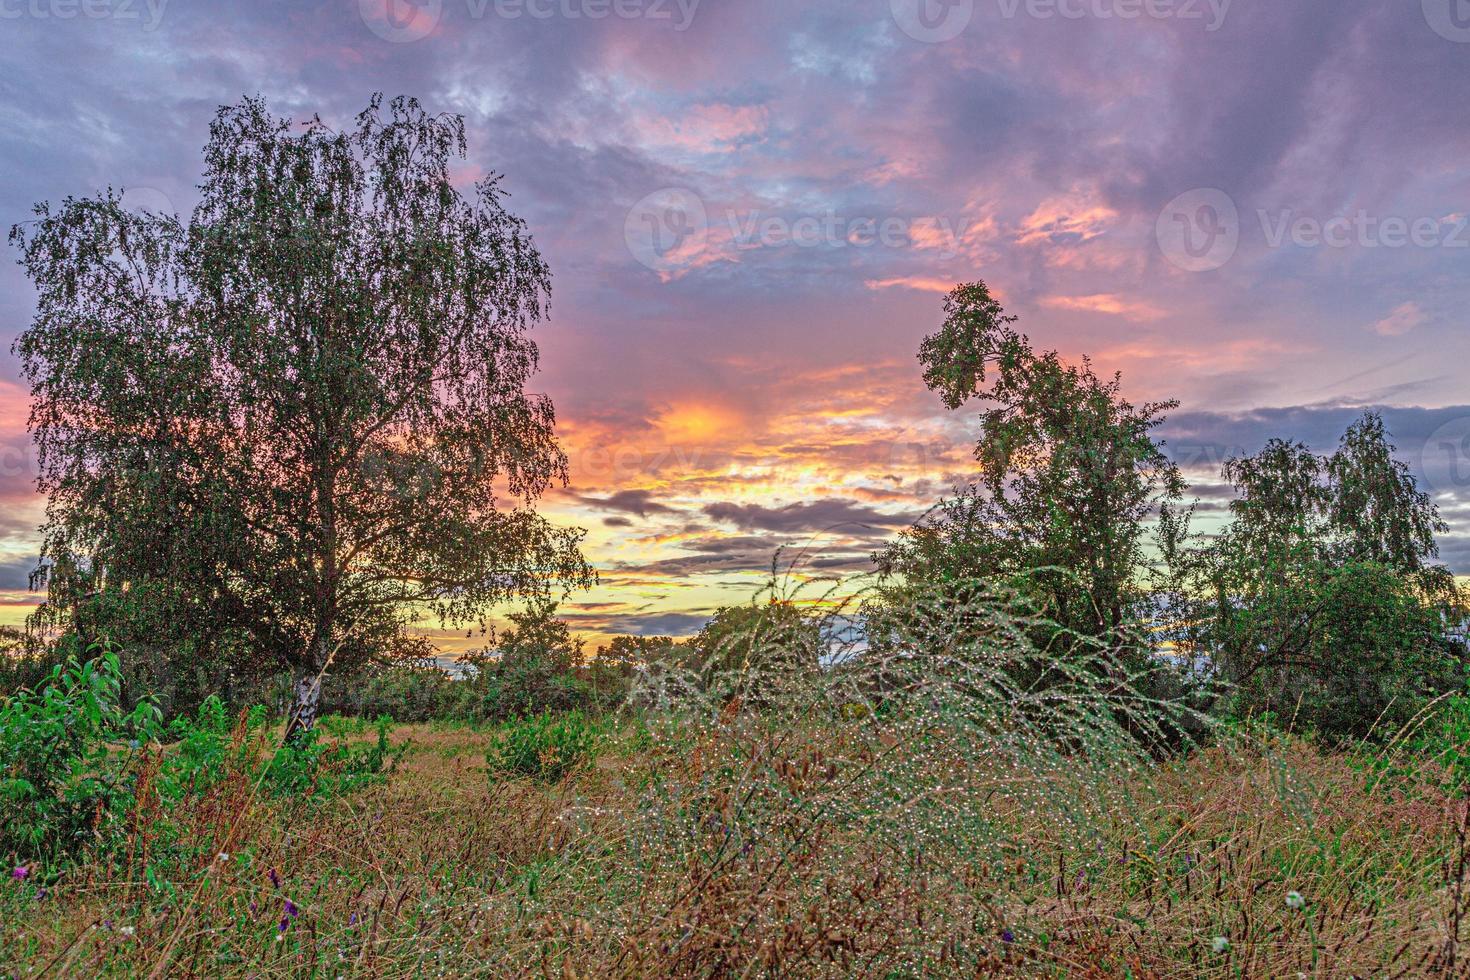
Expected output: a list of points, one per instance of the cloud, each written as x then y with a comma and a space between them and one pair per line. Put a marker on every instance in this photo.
923, 284
674, 624
1403, 319
813, 516
15, 574
1108, 303
638, 502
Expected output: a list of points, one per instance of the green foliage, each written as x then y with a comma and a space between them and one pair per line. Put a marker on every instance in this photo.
74, 764
613, 671
743, 646
24, 661
408, 692
1068, 475
310, 767
1444, 739
298, 419
1321, 600
538, 667
545, 747
62, 786
1363, 656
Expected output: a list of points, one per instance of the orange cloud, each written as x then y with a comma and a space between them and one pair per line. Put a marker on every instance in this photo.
1109, 303
1073, 217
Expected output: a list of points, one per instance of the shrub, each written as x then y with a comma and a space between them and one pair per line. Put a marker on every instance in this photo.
61, 785
407, 692
210, 748
1445, 739
1348, 651
545, 747
24, 662
745, 650
537, 669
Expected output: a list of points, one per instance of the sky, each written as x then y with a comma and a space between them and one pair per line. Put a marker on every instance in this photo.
753, 209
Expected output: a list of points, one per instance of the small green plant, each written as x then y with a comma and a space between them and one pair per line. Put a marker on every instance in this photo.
210, 749
1445, 739
62, 784
339, 726
545, 747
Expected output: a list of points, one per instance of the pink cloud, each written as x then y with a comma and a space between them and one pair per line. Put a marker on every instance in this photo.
927, 284
1109, 303
1403, 319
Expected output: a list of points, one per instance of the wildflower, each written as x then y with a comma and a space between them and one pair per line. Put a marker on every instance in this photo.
21, 873
1007, 936
1294, 900
291, 910
274, 877
224, 855
1220, 944
127, 930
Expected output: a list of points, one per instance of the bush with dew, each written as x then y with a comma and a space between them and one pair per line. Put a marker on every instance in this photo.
885, 796
545, 747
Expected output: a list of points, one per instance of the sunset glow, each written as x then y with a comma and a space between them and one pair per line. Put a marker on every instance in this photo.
752, 211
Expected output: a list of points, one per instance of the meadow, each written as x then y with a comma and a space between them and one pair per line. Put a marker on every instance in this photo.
922, 812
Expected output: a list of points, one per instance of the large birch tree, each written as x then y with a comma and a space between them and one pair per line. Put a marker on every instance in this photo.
302, 412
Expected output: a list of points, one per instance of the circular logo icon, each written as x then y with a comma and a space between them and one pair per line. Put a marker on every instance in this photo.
1445, 459
932, 21
400, 21
1199, 230
1450, 19
666, 229
149, 199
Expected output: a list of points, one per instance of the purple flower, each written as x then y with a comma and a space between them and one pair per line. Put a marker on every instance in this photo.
353, 920
291, 910
1007, 936
21, 873
274, 877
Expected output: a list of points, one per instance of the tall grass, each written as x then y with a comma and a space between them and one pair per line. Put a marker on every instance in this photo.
945, 799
